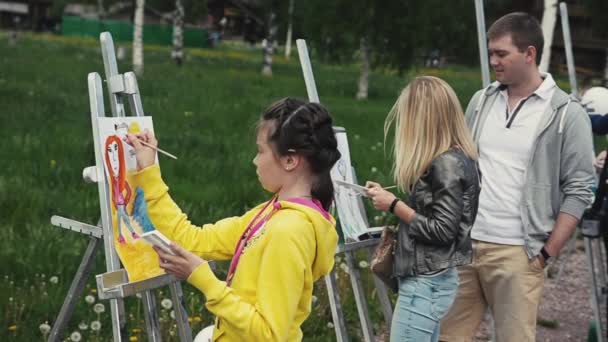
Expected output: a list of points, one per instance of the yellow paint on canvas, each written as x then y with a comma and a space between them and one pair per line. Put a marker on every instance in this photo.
138, 258
134, 128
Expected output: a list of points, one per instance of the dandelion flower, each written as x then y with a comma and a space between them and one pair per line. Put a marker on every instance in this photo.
172, 314
75, 336
54, 280
99, 308
95, 325
45, 328
136, 330
12, 328
330, 325
166, 303
314, 299
197, 318
374, 169
89, 299
133, 338
83, 326
363, 264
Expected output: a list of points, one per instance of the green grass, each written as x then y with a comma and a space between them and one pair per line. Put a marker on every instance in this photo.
204, 112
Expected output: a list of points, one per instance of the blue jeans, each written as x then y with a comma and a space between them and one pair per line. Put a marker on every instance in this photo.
421, 304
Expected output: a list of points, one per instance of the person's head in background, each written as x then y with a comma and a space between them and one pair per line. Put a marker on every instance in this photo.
515, 46
428, 121
296, 150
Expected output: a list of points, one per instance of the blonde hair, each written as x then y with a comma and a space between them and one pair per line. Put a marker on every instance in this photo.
428, 121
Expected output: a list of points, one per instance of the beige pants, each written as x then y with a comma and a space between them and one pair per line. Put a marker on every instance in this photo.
502, 278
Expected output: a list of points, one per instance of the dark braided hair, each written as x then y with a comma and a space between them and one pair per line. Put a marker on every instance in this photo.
305, 128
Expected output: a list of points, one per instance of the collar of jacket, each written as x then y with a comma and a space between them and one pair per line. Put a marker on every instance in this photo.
489, 94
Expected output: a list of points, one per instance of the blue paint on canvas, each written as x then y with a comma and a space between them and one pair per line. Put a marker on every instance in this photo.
140, 211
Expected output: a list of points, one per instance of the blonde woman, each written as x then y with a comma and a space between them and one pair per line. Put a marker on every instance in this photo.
435, 161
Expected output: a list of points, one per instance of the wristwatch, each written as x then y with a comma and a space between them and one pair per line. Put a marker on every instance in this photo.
545, 254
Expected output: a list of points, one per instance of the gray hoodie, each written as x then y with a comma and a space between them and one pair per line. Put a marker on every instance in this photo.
560, 175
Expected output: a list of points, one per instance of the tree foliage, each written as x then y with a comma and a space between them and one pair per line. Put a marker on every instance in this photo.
397, 31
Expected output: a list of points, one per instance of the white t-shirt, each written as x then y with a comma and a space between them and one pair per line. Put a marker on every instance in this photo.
504, 153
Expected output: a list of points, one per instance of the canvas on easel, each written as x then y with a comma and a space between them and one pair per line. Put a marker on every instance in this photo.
352, 222
129, 212
114, 163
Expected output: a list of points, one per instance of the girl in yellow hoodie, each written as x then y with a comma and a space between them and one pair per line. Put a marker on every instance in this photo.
279, 248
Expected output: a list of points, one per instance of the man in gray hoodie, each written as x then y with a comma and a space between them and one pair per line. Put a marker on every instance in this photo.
536, 159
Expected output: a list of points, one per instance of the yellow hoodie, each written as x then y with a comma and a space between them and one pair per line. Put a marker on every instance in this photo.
270, 294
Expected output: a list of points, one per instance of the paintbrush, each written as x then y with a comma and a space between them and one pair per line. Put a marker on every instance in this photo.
156, 148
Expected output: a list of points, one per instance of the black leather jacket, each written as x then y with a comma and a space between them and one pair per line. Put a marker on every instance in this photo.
445, 199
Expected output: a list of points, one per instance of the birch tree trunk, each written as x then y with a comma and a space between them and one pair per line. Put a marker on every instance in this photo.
548, 26
178, 33
363, 84
289, 30
269, 48
138, 35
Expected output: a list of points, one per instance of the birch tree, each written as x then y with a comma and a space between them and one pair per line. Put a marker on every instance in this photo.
177, 54
289, 29
548, 26
270, 42
138, 35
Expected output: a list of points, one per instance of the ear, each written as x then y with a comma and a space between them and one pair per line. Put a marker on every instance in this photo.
291, 161
530, 55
